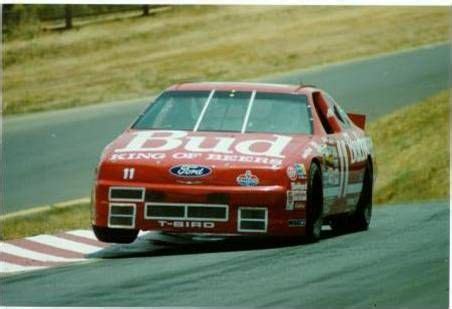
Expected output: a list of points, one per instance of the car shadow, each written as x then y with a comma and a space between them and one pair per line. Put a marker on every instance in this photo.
160, 244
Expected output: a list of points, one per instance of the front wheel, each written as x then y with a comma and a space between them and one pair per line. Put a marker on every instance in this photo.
121, 236
314, 205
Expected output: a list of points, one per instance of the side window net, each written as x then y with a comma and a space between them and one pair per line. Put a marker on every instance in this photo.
338, 115
338, 112
322, 116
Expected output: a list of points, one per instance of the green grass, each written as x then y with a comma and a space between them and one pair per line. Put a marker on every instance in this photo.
52, 221
412, 148
412, 151
131, 58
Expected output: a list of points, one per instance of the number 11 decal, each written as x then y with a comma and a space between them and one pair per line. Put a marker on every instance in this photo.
128, 173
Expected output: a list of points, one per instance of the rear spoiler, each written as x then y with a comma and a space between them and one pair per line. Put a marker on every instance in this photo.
358, 119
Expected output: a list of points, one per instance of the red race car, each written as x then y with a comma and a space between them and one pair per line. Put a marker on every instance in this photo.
236, 159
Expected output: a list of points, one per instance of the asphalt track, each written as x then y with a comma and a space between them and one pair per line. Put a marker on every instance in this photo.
401, 262
49, 157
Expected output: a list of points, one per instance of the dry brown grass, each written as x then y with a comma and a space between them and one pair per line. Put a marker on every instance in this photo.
136, 57
412, 147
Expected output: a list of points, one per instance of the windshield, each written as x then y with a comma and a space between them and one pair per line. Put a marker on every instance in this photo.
231, 111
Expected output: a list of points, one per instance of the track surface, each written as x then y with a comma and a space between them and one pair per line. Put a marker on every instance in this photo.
49, 157
402, 261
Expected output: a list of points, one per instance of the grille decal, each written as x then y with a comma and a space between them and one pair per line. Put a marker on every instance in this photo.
192, 212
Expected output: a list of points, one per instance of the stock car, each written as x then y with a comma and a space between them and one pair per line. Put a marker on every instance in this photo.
236, 159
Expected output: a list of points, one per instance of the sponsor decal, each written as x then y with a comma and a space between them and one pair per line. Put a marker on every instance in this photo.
296, 222
247, 179
299, 205
330, 156
331, 177
319, 148
291, 173
289, 200
162, 141
299, 195
301, 170
298, 186
187, 224
294, 196
306, 152
359, 147
188, 170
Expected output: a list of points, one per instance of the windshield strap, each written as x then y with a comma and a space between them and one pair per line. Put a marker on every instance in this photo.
248, 111
201, 116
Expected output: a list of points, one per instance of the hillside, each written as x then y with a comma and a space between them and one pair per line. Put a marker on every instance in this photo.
412, 147
135, 57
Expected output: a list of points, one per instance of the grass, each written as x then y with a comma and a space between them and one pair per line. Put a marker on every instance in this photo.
48, 222
413, 164
412, 151
131, 58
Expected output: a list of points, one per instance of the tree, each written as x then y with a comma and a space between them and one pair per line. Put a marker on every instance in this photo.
146, 10
68, 16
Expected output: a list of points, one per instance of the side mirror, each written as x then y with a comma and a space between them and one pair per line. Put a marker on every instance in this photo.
358, 119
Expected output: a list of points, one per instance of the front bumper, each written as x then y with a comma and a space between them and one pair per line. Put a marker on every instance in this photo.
198, 209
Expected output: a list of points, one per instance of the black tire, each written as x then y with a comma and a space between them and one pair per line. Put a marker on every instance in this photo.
314, 205
340, 224
120, 236
360, 220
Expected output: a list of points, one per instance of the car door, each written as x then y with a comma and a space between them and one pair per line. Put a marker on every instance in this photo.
350, 142
336, 157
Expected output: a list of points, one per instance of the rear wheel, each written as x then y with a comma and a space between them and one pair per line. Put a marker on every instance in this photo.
314, 205
360, 219
121, 236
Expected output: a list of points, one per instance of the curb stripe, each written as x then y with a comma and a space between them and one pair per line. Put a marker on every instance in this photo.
83, 233
44, 251
21, 261
31, 245
62, 243
82, 240
29, 254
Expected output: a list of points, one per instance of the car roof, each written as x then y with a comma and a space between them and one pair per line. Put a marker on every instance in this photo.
243, 86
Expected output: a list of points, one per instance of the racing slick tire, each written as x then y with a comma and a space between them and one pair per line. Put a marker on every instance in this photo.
360, 219
120, 236
314, 205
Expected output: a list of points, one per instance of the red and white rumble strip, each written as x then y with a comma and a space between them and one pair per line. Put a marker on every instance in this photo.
45, 251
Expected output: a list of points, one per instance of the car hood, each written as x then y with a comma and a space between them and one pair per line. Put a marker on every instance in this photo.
220, 158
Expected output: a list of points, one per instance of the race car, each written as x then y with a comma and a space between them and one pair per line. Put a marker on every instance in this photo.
236, 159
